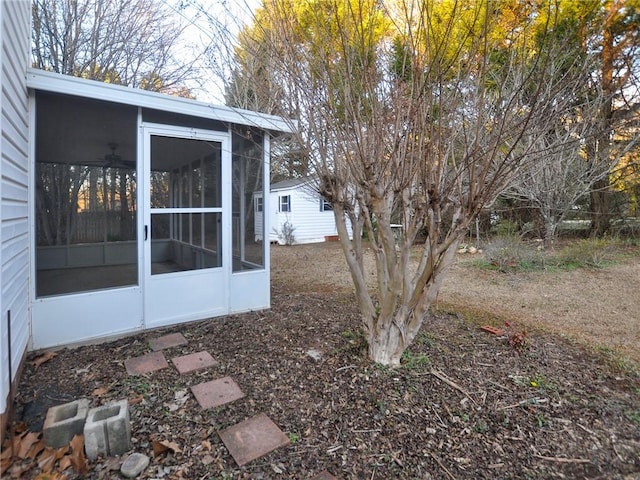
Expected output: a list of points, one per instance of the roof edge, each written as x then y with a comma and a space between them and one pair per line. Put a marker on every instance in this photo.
57, 83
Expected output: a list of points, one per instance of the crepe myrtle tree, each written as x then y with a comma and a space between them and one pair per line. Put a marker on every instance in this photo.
411, 113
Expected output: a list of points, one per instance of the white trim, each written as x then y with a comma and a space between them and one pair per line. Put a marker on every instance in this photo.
54, 82
31, 213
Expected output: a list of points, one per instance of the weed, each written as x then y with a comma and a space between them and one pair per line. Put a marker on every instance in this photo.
516, 338
588, 252
633, 416
426, 338
140, 385
382, 367
481, 427
293, 438
412, 361
541, 421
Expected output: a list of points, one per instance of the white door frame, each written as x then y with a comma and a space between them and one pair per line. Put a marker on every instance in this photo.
173, 298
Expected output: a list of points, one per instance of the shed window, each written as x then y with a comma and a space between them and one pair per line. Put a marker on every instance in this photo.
325, 205
285, 203
258, 204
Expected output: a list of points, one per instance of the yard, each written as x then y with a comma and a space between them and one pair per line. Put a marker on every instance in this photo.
464, 405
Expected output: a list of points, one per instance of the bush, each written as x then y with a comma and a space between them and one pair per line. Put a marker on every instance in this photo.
286, 235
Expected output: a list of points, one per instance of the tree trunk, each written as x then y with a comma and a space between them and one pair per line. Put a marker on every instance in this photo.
386, 346
600, 208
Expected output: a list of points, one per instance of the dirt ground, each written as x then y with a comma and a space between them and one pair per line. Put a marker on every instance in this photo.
463, 405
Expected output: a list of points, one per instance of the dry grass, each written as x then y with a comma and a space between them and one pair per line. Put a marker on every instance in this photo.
597, 307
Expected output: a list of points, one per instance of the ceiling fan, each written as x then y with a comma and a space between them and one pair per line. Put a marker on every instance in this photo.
113, 160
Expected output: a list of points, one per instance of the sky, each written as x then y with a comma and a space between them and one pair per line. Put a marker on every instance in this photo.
205, 21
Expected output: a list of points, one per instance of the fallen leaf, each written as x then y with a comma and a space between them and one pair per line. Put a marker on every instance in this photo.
5, 458
78, 460
20, 428
47, 460
36, 449
42, 358
26, 442
64, 463
161, 446
98, 392
206, 444
50, 476
61, 452
18, 470
136, 400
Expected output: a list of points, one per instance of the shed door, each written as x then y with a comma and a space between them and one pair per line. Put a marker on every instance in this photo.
187, 224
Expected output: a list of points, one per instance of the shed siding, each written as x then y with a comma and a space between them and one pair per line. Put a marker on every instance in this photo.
309, 222
14, 179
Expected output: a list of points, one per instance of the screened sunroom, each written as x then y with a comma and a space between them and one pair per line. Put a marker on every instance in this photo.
142, 211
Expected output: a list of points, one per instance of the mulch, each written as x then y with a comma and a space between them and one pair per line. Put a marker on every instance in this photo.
465, 404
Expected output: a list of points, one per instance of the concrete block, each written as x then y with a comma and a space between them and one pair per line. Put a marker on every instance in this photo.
63, 422
107, 431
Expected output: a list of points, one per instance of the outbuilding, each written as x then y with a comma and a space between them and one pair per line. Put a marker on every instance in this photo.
297, 213
122, 209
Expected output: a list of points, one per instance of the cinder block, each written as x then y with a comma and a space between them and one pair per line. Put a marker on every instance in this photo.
107, 430
63, 422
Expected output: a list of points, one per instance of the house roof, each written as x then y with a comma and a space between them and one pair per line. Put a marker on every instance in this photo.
289, 183
65, 84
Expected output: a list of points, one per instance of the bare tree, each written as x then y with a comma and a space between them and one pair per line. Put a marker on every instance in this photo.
128, 42
412, 113
563, 174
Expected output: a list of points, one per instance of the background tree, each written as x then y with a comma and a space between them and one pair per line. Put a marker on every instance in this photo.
129, 42
417, 113
137, 43
613, 32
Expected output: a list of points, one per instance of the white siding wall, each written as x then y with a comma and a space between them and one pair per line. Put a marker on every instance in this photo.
15, 24
310, 223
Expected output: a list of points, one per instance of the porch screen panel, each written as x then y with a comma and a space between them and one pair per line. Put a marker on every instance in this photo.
85, 173
186, 207
247, 183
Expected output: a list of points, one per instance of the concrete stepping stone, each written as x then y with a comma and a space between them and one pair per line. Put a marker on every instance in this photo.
324, 475
217, 392
167, 341
146, 363
194, 361
252, 439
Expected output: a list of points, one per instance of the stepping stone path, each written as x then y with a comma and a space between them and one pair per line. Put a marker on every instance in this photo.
246, 441
146, 363
217, 392
253, 438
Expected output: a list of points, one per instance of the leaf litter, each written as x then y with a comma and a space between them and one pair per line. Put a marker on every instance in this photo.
463, 405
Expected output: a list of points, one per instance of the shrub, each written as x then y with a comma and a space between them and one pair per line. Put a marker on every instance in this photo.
592, 252
508, 253
286, 235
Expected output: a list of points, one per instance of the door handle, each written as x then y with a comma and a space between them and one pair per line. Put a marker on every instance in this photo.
146, 232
